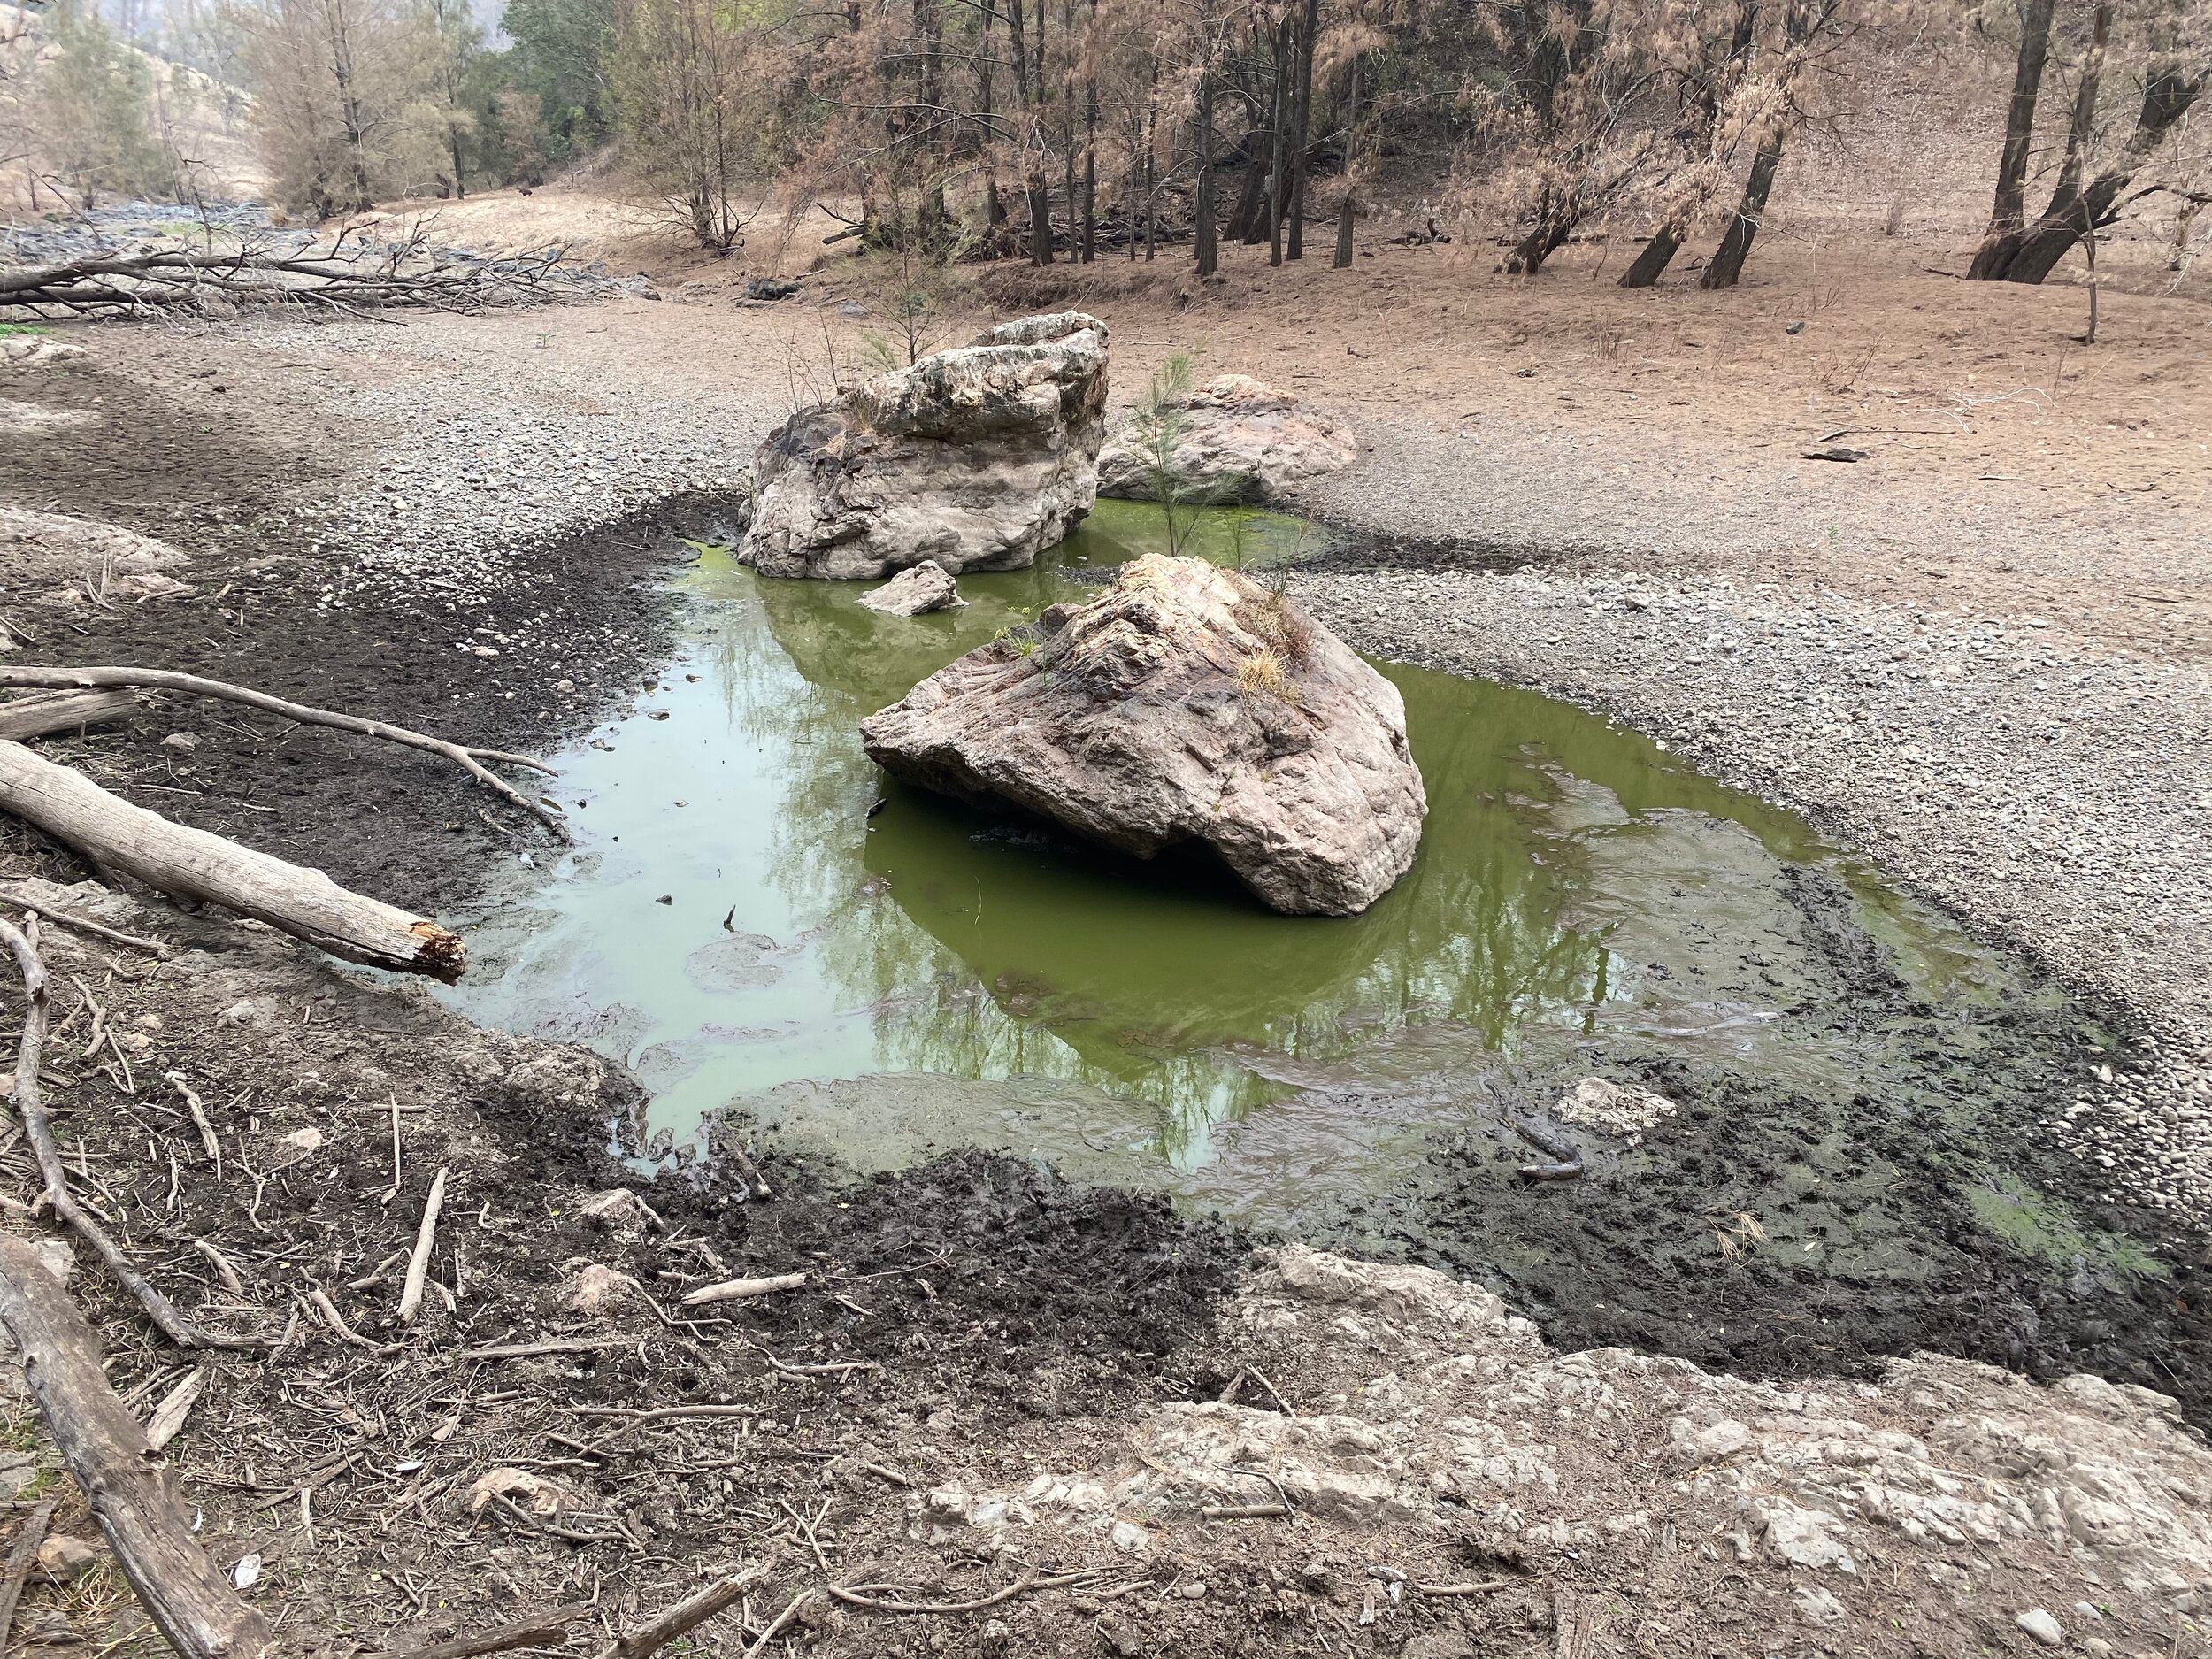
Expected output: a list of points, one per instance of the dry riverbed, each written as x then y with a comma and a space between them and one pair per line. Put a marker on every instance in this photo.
990, 1371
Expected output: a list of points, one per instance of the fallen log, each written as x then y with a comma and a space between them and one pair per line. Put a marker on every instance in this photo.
123, 1478
193, 864
166, 680
48, 713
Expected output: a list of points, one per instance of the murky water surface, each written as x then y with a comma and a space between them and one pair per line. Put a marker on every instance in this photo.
752, 915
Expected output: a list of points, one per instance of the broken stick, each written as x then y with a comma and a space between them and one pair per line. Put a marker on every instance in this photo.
165, 680
418, 1264
742, 1289
78, 923
22, 1557
49, 713
686, 1615
128, 1488
191, 864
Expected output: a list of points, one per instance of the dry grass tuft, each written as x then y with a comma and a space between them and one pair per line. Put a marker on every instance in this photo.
1263, 674
1268, 615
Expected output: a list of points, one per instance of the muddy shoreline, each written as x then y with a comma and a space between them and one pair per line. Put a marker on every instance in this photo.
970, 1314
587, 625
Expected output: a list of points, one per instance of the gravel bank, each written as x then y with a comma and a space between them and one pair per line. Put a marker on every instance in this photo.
2051, 790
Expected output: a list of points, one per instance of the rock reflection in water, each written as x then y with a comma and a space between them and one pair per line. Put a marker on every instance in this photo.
838, 973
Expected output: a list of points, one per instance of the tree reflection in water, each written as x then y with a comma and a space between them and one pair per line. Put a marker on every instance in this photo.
731, 889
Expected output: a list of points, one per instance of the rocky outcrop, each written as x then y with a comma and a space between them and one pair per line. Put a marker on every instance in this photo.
1235, 439
978, 458
1946, 1497
915, 591
1185, 705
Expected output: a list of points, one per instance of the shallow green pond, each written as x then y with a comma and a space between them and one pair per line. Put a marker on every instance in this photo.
743, 923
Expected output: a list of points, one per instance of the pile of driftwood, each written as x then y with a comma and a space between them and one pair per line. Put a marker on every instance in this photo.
349, 275
106, 1449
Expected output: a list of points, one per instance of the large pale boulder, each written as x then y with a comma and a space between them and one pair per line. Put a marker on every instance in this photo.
1235, 439
978, 457
1184, 704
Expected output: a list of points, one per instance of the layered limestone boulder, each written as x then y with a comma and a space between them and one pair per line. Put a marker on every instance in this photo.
978, 458
1234, 440
1185, 705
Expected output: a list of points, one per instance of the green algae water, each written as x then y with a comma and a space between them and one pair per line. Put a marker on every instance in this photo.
754, 917
786, 947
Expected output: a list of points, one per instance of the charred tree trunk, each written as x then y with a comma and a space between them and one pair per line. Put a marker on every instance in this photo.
1279, 147
1993, 260
1247, 221
1556, 212
1710, 87
1302, 125
1725, 269
1651, 264
1032, 136
2167, 97
993, 203
2008, 211
1090, 156
1348, 211
1208, 254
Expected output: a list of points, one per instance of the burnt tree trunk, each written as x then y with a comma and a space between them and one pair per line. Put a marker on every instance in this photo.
1725, 269
1302, 128
1278, 149
2009, 210
1993, 260
1709, 88
1347, 212
2168, 95
1556, 212
1208, 254
1658, 254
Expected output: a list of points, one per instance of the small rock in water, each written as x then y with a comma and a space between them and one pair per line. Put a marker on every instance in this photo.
2042, 1626
915, 591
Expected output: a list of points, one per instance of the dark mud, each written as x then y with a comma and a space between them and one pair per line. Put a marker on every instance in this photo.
1356, 552
1783, 1234
409, 828
1050, 1299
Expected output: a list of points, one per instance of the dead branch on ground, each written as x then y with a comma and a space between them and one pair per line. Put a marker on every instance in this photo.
17, 899
31, 1105
123, 1478
351, 275
127, 1486
165, 680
